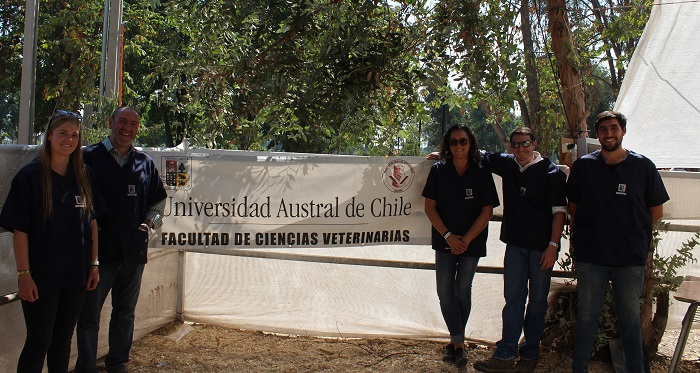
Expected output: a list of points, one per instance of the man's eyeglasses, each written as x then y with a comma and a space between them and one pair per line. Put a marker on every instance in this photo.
463, 141
516, 144
65, 113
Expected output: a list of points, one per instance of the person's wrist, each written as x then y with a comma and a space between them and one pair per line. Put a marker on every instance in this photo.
447, 234
23, 272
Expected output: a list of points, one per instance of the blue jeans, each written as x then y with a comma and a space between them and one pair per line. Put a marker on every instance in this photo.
521, 266
454, 275
125, 285
627, 285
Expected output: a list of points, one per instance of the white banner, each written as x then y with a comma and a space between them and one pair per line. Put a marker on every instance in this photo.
236, 199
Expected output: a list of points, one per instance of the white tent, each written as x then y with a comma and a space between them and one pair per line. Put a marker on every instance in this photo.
660, 94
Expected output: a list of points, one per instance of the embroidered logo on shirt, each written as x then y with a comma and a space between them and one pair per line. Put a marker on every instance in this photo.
622, 189
523, 192
468, 194
132, 191
79, 202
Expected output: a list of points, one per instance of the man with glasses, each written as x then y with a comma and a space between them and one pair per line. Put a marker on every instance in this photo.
129, 181
615, 197
534, 213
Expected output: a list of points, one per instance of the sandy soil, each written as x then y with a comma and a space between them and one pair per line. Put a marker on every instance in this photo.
215, 349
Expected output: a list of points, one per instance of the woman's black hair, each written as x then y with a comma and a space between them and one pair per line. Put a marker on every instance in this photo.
474, 154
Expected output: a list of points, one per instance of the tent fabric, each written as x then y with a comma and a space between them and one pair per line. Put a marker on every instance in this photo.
659, 94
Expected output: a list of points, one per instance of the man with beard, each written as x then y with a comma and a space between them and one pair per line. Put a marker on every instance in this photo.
615, 197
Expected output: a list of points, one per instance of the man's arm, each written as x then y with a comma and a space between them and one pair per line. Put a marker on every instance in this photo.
154, 215
572, 212
551, 254
657, 212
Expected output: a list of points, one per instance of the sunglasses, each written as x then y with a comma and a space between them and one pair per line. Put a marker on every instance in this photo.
463, 141
65, 113
516, 144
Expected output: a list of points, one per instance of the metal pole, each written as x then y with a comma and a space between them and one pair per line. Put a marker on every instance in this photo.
120, 64
180, 301
26, 103
112, 64
103, 60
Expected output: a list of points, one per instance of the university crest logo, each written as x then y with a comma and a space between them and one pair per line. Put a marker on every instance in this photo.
398, 175
178, 171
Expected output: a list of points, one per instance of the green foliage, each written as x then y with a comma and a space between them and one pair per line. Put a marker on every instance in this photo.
666, 268
316, 77
324, 76
10, 65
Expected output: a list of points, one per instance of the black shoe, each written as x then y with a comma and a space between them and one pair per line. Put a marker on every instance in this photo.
494, 365
449, 355
461, 359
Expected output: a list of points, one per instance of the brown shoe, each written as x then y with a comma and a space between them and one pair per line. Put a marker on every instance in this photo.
526, 366
494, 365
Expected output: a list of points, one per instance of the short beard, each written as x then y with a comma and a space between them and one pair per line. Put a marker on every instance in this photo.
613, 148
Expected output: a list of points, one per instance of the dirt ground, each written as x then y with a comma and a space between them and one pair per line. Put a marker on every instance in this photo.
215, 349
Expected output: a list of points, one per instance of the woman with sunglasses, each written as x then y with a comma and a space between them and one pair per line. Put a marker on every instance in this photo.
49, 209
459, 199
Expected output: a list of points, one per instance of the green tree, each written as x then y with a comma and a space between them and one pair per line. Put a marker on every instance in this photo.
11, 18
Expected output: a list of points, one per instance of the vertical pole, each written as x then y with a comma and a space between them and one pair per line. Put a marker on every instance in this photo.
683, 337
103, 60
27, 90
444, 119
180, 306
113, 36
420, 129
120, 65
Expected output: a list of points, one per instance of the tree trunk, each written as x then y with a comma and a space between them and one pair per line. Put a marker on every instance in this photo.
568, 66
533, 85
598, 13
169, 142
653, 323
658, 324
497, 127
648, 300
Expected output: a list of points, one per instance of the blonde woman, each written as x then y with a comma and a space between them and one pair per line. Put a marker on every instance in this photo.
49, 210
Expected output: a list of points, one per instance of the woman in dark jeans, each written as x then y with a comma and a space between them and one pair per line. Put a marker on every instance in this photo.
49, 211
459, 199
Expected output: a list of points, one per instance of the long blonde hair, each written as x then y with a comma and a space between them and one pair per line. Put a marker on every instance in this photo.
75, 162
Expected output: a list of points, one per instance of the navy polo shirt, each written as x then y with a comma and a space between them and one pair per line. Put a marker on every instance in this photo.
528, 198
459, 200
59, 247
612, 225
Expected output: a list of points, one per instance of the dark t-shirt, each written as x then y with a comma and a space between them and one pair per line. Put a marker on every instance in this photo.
612, 225
59, 247
459, 201
528, 198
